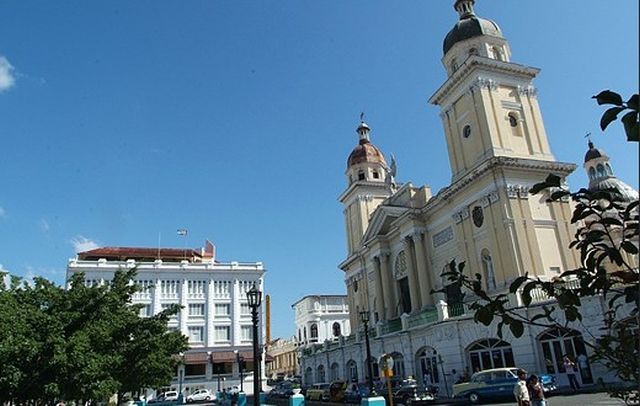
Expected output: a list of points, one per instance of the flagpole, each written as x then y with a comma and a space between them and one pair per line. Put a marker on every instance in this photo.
159, 235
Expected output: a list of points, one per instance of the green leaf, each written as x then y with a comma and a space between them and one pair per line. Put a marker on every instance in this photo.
516, 327
633, 102
609, 116
630, 122
484, 316
629, 247
608, 97
515, 285
559, 194
526, 293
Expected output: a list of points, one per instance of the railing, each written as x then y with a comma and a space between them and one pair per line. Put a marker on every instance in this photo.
456, 309
350, 339
424, 317
391, 327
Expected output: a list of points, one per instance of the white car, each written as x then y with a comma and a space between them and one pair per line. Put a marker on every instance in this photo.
170, 396
201, 395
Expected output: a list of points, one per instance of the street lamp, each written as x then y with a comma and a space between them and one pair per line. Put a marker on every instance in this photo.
239, 360
180, 374
364, 317
254, 297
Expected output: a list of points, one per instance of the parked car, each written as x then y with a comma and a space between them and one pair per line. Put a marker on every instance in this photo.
201, 395
336, 391
319, 391
170, 396
355, 392
408, 392
282, 389
495, 383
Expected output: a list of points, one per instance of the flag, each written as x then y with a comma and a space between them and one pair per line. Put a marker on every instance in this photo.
182, 231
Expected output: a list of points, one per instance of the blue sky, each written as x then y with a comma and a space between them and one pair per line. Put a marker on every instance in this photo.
120, 120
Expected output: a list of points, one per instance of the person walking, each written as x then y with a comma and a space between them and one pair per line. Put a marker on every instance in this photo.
520, 390
570, 369
536, 392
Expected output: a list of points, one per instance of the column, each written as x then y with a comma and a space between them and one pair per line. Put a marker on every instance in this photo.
235, 313
210, 309
157, 289
390, 291
184, 312
414, 293
425, 277
380, 302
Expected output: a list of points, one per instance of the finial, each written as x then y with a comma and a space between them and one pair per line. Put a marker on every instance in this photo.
464, 8
363, 130
588, 137
362, 117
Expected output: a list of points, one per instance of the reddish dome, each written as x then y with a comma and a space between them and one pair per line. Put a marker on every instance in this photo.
365, 152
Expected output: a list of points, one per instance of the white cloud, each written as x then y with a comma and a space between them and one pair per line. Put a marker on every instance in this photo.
44, 225
81, 243
7, 80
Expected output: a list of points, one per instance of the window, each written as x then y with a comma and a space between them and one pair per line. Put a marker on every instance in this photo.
497, 54
196, 334
222, 309
513, 120
398, 364
335, 371
592, 173
600, 169
196, 288
222, 333
473, 51
490, 353
195, 369
555, 269
145, 311
376, 175
336, 329
466, 131
556, 344
246, 333
427, 358
361, 175
169, 288
487, 267
308, 376
165, 306
196, 309
405, 297
454, 65
245, 309
314, 332
352, 371
320, 374
609, 170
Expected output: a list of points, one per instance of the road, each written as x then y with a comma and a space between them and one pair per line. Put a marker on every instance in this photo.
585, 399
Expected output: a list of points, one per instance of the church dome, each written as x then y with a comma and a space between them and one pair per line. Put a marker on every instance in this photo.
593, 153
365, 151
469, 26
624, 191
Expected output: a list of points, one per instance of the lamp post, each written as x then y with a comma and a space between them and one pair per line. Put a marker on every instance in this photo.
254, 297
239, 360
180, 374
364, 317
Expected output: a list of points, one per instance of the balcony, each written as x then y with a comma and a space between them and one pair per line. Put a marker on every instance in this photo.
422, 318
391, 326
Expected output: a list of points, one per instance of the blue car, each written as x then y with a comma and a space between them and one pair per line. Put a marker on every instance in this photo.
494, 384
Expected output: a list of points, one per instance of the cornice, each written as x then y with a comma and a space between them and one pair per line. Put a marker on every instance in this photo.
478, 61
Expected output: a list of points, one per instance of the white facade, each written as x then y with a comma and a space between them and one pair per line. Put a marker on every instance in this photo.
214, 315
320, 318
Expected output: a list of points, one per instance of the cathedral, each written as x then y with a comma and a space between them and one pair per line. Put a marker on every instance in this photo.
401, 237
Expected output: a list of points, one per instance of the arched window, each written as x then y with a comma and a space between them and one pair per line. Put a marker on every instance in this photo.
473, 51
374, 367
487, 267
313, 330
376, 174
608, 169
352, 371
490, 353
466, 131
335, 372
304, 333
600, 169
320, 376
513, 120
360, 175
497, 54
336, 329
592, 173
400, 273
454, 65
398, 364
427, 359
557, 343
308, 376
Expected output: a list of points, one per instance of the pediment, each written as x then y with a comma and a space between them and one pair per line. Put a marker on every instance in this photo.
381, 221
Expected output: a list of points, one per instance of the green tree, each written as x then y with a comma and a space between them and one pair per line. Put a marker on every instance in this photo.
607, 231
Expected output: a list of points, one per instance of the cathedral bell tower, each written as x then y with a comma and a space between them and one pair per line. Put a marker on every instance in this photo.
369, 184
488, 104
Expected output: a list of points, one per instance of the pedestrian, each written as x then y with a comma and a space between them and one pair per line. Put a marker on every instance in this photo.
583, 364
536, 392
570, 369
520, 390
455, 377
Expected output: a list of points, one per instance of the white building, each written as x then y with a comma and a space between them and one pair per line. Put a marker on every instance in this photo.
320, 318
215, 314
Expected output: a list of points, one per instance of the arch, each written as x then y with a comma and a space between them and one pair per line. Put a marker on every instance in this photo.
361, 175
490, 353
592, 173
336, 329
398, 364
608, 169
334, 372
320, 374
352, 371
473, 51
487, 267
308, 376
513, 119
427, 366
601, 171
374, 367
556, 343
313, 332
497, 53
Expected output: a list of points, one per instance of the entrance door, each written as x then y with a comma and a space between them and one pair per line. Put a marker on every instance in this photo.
556, 344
